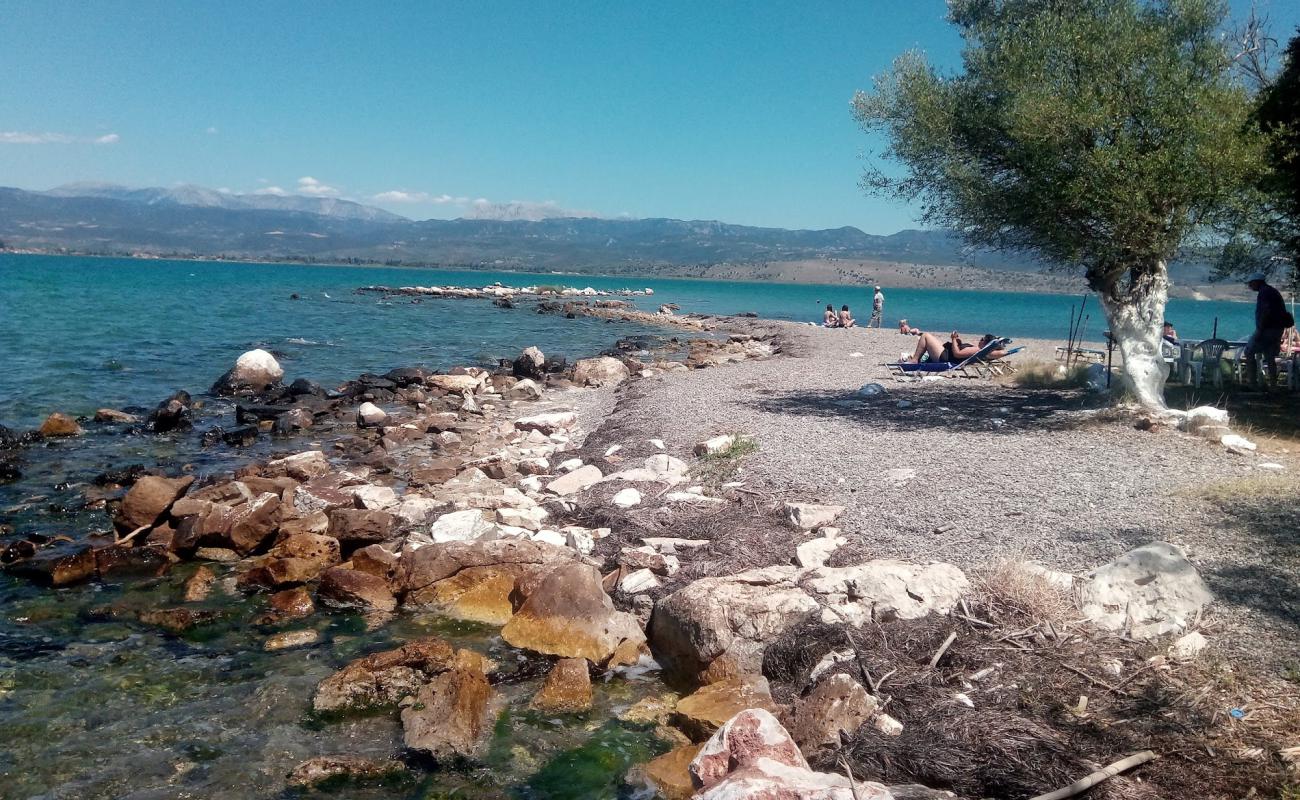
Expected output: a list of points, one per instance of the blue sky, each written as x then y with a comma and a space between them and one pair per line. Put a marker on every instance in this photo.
696, 110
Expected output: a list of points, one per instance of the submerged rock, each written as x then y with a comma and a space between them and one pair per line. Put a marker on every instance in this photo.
384, 678
349, 588
320, 769
450, 717
567, 689
171, 414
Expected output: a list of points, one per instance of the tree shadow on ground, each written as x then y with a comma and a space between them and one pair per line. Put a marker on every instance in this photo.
1265, 515
949, 406
1266, 590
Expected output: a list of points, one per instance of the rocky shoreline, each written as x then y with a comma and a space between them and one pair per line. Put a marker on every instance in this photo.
481, 496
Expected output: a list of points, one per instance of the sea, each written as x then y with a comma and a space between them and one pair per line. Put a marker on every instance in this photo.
95, 704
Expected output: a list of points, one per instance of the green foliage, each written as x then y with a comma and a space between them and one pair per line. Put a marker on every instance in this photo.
1101, 133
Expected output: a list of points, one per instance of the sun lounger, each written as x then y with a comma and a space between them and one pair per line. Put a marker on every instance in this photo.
976, 366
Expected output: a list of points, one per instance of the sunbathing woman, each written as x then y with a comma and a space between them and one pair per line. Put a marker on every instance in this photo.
903, 327
846, 319
829, 320
953, 351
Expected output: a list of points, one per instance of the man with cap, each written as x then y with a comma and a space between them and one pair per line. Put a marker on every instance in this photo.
1271, 319
877, 309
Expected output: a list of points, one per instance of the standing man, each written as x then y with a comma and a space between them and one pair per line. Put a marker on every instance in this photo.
877, 309
1271, 319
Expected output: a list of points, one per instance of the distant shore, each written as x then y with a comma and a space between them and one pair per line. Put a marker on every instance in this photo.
853, 272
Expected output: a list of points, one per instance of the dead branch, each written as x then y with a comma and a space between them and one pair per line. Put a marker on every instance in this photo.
943, 648
1084, 784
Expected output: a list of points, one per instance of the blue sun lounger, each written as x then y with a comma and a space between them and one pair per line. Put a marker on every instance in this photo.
977, 365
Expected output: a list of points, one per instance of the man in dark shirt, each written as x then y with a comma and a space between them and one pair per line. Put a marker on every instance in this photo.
1271, 319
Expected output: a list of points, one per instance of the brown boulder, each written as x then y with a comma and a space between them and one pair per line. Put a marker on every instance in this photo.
58, 569
320, 769
567, 689
451, 716
356, 526
837, 705
148, 500
58, 424
702, 713
199, 585
295, 559
242, 527
177, 620
498, 561
289, 604
670, 773
348, 588
313, 522
569, 615
375, 560
124, 560
382, 679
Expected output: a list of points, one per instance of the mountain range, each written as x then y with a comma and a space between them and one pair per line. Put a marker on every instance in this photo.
192, 221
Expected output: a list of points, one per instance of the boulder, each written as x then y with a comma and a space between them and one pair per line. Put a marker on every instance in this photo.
125, 560
416, 510
148, 500
113, 415
600, 371
752, 757
350, 588
808, 516
253, 373
837, 705
288, 604
703, 712
300, 466
531, 363
569, 615
456, 384
815, 552
295, 559
58, 424
241, 527
884, 590
171, 414
461, 526
370, 496
575, 481
473, 580
322, 769
451, 716
552, 422
526, 389
370, 415
669, 775
627, 498
355, 527
199, 585
375, 560
567, 689
382, 679
178, 620
1147, 592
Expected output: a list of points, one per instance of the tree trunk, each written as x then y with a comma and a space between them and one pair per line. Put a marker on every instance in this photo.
1136, 313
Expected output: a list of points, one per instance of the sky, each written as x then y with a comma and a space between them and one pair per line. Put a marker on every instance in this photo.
694, 110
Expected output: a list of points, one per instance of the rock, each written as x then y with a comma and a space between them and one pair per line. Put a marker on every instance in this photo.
725, 620
600, 371
456, 384
887, 725
739, 741
808, 516
113, 415
148, 500
171, 414
569, 465
567, 689
295, 559
641, 580
355, 527
525, 389
349, 588
199, 585
450, 717
704, 712
1188, 646
253, 373
715, 446
300, 466
1237, 444
1204, 416
288, 604
461, 526
814, 552
647, 558
550, 537
666, 468
313, 522
569, 615
125, 560
580, 539
320, 769
531, 363
575, 481
669, 775
527, 518
884, 590
58, 424
534, 466
837, 705
370, 415
373, 497
1147, 592
286, 640
58, 569
223, 555
549, 423
177, 620
382, 679
627, 498
242, 527
474, 580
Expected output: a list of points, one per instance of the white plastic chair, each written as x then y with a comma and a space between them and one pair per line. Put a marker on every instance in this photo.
1211, 353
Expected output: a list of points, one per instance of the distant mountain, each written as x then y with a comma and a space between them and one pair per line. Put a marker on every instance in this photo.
193, 221
188, 195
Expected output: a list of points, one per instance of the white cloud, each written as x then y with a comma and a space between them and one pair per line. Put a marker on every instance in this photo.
212, 130
47, 137
524, 210
403, 196
313, 188
275, 190
24, 137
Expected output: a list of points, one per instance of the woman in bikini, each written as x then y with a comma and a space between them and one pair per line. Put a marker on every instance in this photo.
953, 351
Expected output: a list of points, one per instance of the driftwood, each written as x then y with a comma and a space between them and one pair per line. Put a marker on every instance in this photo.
1085, 783
943, 648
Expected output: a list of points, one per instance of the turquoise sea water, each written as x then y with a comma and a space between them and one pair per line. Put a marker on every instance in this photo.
77, 334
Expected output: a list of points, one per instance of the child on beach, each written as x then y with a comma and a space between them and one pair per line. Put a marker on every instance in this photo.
846, 319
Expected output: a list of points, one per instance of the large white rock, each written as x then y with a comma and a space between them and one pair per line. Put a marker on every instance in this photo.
370, 415
416, 510
627, 498
1204, 416
1147, 592
575, 481
375, 498
256, 368
600, 371
529, 518
884, 589
814, 552
807, 516
461, 526
457, 384
666, 468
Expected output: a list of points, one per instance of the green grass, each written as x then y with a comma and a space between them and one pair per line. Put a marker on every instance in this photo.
718, 468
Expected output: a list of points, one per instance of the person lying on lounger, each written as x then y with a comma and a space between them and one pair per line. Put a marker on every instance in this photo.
953, 351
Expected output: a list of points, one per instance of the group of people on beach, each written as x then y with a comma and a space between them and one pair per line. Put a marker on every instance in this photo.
844, 318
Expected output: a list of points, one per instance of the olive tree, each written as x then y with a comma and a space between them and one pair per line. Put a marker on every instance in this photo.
1095, 134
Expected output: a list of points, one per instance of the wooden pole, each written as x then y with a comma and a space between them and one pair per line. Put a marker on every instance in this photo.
1085, 783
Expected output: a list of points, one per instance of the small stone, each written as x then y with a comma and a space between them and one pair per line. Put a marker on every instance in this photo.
570, 465
289, 639
219, 554
657, 443
199, 585
716, 445
627, 498
887, 725
113, 415
548, 423
808, 516
641, 580
1188, 646
369, 415
575, 481
326, 768
567, 689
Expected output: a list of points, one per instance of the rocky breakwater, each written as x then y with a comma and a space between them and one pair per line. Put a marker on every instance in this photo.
500, 291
